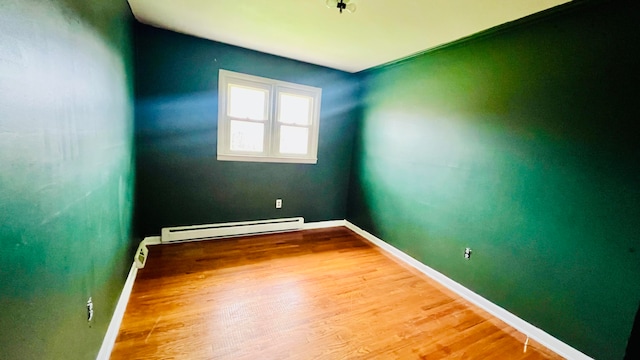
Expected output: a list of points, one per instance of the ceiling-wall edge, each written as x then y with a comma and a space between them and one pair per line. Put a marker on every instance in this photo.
559, 10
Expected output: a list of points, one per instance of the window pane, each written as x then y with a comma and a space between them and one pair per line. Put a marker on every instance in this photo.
247, 136
247, 103
294, 109
294, 140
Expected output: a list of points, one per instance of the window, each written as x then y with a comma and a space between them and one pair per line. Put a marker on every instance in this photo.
267, 120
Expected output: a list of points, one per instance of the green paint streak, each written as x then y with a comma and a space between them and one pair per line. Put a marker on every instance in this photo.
523, 147
66, 174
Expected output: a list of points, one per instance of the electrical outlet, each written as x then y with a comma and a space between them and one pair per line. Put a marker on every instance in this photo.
89, 310
141, 256
278, 203
467, 253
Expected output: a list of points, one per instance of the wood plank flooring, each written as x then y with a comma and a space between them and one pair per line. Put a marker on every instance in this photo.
313, 294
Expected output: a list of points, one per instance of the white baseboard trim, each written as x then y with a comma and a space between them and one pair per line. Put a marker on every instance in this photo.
519, 324
323, 224
152, 240
116, 320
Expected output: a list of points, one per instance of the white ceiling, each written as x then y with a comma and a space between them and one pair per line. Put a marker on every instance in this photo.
378, 32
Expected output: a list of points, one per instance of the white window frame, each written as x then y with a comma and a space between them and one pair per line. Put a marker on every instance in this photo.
271, 150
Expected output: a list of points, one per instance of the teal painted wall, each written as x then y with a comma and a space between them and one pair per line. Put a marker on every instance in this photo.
179, 180
66, 173
522, 145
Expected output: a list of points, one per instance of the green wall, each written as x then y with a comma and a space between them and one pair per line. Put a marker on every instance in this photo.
179, 180
66, 173
523, 145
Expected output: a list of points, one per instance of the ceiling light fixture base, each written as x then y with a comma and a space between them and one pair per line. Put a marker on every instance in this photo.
341, 5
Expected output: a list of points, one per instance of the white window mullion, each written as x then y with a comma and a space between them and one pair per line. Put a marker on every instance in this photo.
273, 126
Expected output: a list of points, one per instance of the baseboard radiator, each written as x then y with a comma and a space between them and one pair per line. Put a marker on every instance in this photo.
223, 230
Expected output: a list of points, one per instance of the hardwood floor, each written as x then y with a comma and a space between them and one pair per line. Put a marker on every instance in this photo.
313, 294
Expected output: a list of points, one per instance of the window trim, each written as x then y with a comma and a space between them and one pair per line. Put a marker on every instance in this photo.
271, 153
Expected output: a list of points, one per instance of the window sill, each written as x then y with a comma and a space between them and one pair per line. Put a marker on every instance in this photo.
267, 159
